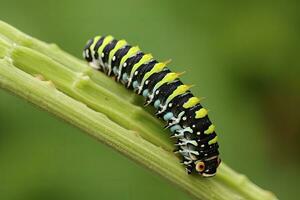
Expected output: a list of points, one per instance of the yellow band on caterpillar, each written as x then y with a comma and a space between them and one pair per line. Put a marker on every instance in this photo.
170, 77
214, 140
119, 45
106, 40
191, 102
210, 129
201, 113
179, 90
94, 44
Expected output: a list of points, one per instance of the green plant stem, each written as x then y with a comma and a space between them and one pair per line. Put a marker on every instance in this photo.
61, 84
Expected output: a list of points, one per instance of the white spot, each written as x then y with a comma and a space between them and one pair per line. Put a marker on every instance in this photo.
125, 64
194, 126
205, 154
147, 82
170, 105
114, 58
136, 73
202, 145
184, 118
198, 133
157, 92
102, 55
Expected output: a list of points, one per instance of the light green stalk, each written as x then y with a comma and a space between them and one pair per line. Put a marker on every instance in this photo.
61, 84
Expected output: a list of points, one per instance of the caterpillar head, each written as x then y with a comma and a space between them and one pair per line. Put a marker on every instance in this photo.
207, 167
87, 53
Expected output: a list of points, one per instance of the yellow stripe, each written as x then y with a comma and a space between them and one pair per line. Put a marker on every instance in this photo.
119, 45
179, 90
167, 79
210, 129
94, 43
214, 140
146, 58
132, 51
191, 102
106, 40
156, 68
201, 113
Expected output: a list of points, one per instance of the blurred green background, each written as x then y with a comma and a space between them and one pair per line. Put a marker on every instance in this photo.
242, 56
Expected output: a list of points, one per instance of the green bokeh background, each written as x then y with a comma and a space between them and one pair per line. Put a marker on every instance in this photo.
242, 56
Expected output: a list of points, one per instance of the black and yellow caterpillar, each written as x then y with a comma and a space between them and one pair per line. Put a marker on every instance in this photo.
196, 140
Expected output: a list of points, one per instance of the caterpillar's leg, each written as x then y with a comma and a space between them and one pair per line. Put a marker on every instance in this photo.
188, 166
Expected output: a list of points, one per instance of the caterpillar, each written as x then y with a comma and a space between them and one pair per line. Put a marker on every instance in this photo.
196, 140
